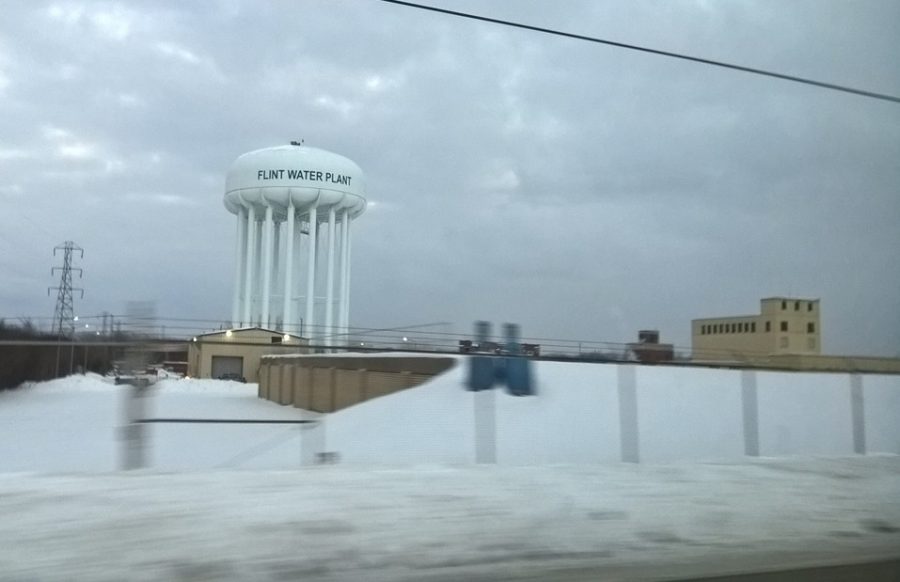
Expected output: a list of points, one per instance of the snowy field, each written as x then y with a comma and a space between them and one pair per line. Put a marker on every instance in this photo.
239, 502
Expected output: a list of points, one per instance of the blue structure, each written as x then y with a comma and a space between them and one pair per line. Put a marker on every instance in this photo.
512, 368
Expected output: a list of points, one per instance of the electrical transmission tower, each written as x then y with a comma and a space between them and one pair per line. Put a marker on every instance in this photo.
64, 317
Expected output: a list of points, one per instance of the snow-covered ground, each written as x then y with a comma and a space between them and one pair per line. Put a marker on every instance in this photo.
74, 424
335, 522
236, 502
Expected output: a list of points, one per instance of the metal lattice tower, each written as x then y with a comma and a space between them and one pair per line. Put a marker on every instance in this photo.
64, 316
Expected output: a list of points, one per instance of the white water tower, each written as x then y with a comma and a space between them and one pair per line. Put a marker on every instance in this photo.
294, 204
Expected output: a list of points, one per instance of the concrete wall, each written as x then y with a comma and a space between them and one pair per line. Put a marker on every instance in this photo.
701, 414
330, 383
588, 413
805, 363
835, 363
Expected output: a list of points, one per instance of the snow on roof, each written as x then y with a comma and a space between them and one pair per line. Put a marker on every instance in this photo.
244, 329
365, 355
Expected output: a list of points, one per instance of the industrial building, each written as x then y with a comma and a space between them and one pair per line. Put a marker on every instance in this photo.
648, 349
784, 326
236, 353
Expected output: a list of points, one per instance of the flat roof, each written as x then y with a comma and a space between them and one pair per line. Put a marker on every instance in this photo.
243, 329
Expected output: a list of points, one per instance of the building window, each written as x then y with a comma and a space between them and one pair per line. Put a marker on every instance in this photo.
783, 342
796, 306
768, 326
752, 327
783, 326
783, 305
809, 306
810, 327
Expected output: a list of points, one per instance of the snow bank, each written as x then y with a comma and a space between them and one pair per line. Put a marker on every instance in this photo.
576, 416
212, 387
425, 512
89, 382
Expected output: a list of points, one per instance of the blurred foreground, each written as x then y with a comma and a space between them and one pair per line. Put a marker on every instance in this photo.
447, 523
250, 504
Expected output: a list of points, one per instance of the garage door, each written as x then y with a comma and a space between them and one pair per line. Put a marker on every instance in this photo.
222, 365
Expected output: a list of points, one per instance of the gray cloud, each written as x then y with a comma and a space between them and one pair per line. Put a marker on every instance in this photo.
581, 190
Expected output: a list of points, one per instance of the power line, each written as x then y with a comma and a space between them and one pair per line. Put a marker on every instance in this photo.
763, 72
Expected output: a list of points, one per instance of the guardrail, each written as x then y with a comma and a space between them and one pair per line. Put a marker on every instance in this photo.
135, 440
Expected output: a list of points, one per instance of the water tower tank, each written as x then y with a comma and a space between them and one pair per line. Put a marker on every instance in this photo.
287, 199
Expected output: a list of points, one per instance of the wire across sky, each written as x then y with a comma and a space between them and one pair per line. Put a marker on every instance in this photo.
674, 55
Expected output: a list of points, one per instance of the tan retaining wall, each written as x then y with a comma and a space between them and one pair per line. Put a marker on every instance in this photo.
326, 384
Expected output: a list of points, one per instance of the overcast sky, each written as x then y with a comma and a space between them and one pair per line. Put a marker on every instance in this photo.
581, 190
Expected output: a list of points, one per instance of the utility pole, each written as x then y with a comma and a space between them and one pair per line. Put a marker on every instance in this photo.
64, 316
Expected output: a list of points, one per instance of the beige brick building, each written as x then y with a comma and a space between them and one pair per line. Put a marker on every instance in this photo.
785, 325
237, 352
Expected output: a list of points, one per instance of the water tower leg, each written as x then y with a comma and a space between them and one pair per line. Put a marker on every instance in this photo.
267, 267
347, 284
238, 272
258, 272
343, 275
276, 271
297, 289
288, 268
329, 280
311, 274
248, 266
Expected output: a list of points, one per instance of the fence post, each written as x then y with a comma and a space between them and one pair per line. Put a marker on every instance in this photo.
485, 403
332, 388
750, 412
363, 383
857, 410
628, 414
133, 449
